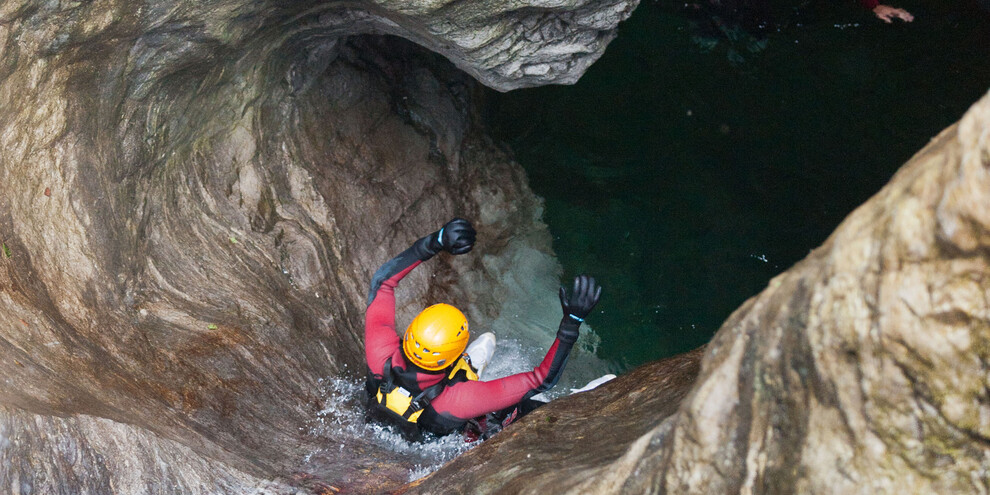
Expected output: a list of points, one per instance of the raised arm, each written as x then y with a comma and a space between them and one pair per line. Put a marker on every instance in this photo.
471, 399
380, 338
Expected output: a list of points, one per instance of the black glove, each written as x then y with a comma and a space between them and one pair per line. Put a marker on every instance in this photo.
582, 299
456, 237
577, 306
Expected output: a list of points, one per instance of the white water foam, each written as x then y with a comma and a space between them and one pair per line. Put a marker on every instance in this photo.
528, 317
343, 417
525, 328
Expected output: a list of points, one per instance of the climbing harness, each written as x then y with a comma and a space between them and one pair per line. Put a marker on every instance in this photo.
398, 400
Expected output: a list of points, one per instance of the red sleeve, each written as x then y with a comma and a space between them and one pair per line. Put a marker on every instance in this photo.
466, 400
380, 339
869, 4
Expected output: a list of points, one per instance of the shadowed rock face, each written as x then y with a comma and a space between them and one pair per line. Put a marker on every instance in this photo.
862, 369
194, 195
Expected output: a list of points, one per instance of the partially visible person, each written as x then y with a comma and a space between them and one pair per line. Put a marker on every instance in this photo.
886, 13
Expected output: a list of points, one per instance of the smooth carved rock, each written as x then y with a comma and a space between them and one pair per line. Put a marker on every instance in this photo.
575, 444
505, 45
194, 196
85, 454
862, 369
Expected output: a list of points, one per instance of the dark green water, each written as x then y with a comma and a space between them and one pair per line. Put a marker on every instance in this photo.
684, 172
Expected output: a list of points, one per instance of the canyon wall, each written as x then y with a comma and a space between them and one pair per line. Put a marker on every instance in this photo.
194, 196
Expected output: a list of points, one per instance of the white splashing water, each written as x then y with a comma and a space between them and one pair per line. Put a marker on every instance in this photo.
343, 413
524, 328
527, 321
343, 416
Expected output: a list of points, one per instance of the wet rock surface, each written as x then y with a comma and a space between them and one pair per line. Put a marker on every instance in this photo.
86, 454
582, 443
862, 369
193, 198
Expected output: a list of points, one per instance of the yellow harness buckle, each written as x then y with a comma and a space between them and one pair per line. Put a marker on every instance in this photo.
400, 401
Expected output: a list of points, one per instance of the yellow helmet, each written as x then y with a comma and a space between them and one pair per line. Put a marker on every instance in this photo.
436, 337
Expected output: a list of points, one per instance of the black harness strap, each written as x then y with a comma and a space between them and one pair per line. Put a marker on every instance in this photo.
418, 403
390, 380
423, 400
388, 386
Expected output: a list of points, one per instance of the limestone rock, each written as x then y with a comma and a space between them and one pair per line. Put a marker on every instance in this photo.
85, 454
589, 442
862, 369
194, 196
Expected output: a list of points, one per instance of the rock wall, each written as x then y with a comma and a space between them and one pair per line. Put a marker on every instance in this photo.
862, 369
86, 454
583, 443
194, 195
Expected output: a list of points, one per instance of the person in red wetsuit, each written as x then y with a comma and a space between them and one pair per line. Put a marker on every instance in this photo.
424, 382
886, 13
